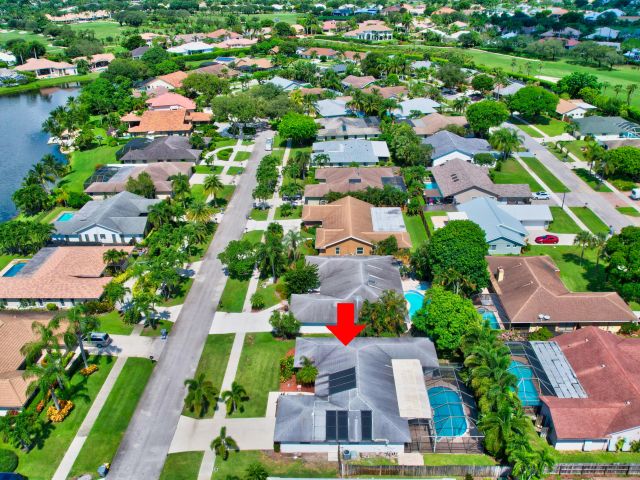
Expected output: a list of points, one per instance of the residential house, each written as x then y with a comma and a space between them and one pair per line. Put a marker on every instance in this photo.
79, 17
604, 415
247, 64
10, 77
351, 179
606, 128
161, 149
358, 83
354, 57
191, 48
171, 81
345, 280
352, 227
444, 11
633, 55
332, 107
529, 293
567, 32
503, 232
345, 128
8, 58
604, 32
344, 153
372, 30
218, 69
236, 43
418, 64
447, 145
171, 101
137, 53
285, 84
434, 122
414, 107
149, 38
396, 92
45, 68
63, 276
330, 27
571, 109
98, 62
222, 34
159, 123
501, 91
319, 52
117, 220
459, 181
531, 217
366, 397
112, 179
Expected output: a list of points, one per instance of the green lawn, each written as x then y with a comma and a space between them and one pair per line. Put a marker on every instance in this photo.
591, 180
259, 370
438, 459
630, 211
224, 154
296, 212
259, 215
576, 147
549, 126
525, 127
562, 222
206, 169
233, 295
428, 215
512, 172
590, 219
47, 82
275, 464
42, 462
182, 466
157, 331
101, 29
235, 171
242, 156
112, 323
213, 363
269, 295
105, 436
5, 259
83, 164
596, 457
577, 276
226, 142
416, 230
254, 236
545, 175
182, 290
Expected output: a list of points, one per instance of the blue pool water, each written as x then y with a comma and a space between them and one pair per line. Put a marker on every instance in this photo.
14, 269
225, 59
491, 318
65, 217
448, 414
430, 185
527, 392
415, 300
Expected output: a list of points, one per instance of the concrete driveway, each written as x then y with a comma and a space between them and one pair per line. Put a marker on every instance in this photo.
132, 346
563, 238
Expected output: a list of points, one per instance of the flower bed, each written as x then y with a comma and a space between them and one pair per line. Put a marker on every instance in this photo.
58, 416
89, 370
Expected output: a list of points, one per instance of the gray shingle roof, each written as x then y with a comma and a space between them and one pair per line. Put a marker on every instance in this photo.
445, 142
285, 84
351, 126
423, 105
124, 213
345, 279
166, 149
302, 418
495, 222
596, 125
331, 107
351, 151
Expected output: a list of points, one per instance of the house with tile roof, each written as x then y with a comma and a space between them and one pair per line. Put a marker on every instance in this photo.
45, 68
352, 81
247, 64
317, 52
529, 293
434, 122
395, 92
157, 123
574, 108
351, 179
217, 69
117, 220
447, 146
98, 62
350, 226
64, 276
170, 101
170, 81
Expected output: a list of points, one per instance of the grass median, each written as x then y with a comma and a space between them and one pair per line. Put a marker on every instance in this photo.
548, 178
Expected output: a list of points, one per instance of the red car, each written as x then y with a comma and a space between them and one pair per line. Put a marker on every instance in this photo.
547, 239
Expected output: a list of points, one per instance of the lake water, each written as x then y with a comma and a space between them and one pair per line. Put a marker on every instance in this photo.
22, 142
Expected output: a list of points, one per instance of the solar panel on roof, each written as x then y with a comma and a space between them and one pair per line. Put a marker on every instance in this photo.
332, 431
342, 381
343, 426
367, 425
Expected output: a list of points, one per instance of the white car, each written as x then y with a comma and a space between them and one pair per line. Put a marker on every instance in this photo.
542, 195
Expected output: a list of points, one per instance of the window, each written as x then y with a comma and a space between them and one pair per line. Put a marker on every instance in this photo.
493, 247
337, 250
360, 251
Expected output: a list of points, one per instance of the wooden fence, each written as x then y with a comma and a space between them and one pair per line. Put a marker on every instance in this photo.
600, 469
496, 471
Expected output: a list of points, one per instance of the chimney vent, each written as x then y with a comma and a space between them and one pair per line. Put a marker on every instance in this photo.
500, 274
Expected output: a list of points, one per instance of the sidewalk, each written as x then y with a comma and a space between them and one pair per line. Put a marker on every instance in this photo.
276, 201
76, 445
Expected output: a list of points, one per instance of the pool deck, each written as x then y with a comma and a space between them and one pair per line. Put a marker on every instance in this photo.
11, 264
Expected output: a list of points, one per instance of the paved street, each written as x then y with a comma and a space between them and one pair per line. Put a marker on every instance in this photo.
581, 193
146, 442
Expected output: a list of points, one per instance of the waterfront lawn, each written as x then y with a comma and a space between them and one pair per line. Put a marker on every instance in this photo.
105, 436
562, 222
590, 219
545, 175
47, 82
83, 164
512, 172
259, 371
438, 459
182, 466
275, 464
42, 461
112, 323
577, 276
233, 295
296, 212
242, 156
416, 230
213, 363
591, 180
630, 211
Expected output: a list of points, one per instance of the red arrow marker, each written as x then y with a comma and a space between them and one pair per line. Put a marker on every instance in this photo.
346, 329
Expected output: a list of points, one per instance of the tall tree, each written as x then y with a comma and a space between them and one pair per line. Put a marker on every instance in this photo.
234, 398
201, 394
80, 324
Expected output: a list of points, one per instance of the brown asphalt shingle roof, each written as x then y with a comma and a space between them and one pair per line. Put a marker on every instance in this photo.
434, 122
217, 69
358, 82
159, 172
174, 79
338, 180
532, 286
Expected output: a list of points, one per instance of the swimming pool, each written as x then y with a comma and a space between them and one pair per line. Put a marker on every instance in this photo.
225, 59
65, 217
430, 185
527, 392
415, 300
14, 269
448, 414
491, 318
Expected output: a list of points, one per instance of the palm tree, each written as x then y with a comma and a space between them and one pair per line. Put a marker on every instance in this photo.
42, 174
80, 323
631, 88
269, 255
531, 464
160, 214
505, 140
593, 154
308, 373
599, 242
46, 377
199, 212
114, 257
52, 164
459, 105
180, 186
605, 85
223, 444
61, 196
211, 186
584, 239
502, 426
233, 398
201, 394
292, 240
46, 339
